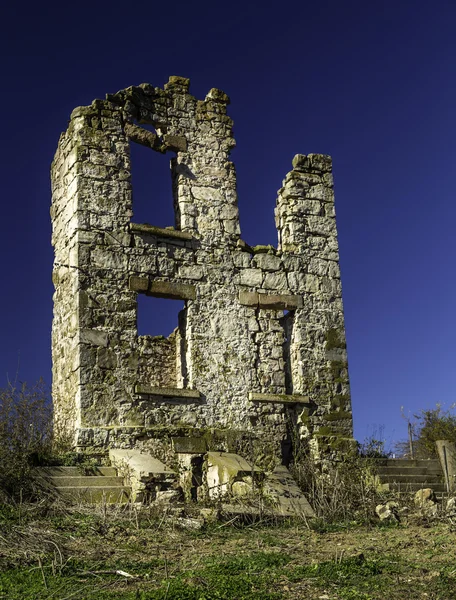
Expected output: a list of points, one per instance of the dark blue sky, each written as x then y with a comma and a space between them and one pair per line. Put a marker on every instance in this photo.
371, 83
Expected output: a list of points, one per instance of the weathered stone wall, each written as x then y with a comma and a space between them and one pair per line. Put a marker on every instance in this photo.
237, 363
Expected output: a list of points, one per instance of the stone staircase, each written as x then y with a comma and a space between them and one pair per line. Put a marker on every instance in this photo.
409, 476
71, 484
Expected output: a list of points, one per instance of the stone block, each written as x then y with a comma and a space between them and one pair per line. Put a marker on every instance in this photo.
251, 277
248, 298
189, 445
176, 82
224, 469
140, 470
93, 337
268, 262
141, 136
191, 272
175, 142
275, 281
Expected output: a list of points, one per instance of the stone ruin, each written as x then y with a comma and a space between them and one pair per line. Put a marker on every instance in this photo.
257, 363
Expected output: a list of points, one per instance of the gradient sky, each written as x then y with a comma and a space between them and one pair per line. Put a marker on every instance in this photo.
370, 83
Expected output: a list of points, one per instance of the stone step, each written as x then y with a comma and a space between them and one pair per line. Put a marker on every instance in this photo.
405, 462
438, 488
410, 478
82, 481
408, 471
74, 472
95, 495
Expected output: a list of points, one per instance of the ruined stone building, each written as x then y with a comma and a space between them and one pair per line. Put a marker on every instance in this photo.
259, 357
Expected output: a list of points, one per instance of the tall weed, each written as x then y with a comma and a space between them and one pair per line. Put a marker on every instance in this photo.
25, 435
346, 490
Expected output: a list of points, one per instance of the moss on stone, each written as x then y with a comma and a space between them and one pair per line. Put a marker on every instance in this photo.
337, 416
341, 401
336, 368
334, 339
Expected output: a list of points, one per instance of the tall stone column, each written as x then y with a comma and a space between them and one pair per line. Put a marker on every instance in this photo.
306, 224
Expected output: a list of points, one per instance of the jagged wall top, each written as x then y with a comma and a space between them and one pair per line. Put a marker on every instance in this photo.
198, 131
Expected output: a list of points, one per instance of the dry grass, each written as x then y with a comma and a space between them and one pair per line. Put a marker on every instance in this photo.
120, 551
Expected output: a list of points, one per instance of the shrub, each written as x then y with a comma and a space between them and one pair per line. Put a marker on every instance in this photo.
429, 426
25, 435
426, 428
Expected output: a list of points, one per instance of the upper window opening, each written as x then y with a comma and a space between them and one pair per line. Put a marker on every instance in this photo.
151, 185
157, 316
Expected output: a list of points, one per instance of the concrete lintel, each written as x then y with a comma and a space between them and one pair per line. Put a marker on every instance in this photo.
167, 392
279, 398
159, 231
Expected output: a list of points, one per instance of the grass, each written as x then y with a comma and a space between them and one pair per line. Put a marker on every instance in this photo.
122, 553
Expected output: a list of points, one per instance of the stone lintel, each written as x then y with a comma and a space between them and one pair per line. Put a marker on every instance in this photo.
248, 298
176, 291
189, 445
142, 136
279, 301
162, 289
167, 392
279, 398
270, 301
138, 284
159, 231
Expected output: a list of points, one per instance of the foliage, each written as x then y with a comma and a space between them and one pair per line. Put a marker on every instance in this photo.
373, 447
428, 426
25, 435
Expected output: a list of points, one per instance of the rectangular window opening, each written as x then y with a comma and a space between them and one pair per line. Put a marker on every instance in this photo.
161, 326
287, 324
151, 181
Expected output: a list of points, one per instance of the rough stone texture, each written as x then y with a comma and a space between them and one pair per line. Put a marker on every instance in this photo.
233, 336
388, 511
148, 477
286, 496
229, 474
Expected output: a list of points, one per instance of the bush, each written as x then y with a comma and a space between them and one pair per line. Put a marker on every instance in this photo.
25, 435
429, 426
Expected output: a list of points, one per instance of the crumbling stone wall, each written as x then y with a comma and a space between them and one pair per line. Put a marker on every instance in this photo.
259, 352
